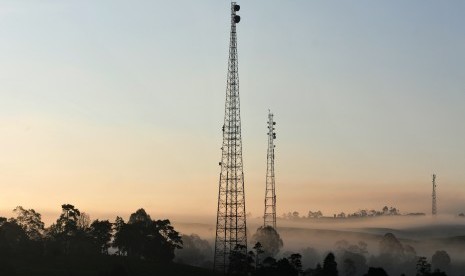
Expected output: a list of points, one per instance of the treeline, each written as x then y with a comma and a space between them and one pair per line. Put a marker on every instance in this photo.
393, 258
346, 259
74, 238
353, 264
73, 233
385, 211
75, 242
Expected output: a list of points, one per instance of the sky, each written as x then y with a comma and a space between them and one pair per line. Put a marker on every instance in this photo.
116, 105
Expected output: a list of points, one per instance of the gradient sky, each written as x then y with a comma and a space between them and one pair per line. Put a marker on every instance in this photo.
115, 105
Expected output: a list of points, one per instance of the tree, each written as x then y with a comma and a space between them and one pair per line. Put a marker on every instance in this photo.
145, 238
423, 267
121, 238
410, 254
285, 267
195, 251
330, 265
393, 211
317, 214
438, 272
310, 257
13, 239
240, 263
258, 251
66, 237
139, 216
100, 232
353, 263
440, 260
270, 240
348, 267
66, 224
385, 210
296, 261
30, 221
376, 271
83, 222
390, 245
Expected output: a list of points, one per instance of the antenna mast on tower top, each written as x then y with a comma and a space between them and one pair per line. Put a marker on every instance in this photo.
231, 231
270, 195
434, 207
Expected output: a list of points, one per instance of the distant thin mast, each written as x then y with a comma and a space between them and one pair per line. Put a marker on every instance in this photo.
434, 207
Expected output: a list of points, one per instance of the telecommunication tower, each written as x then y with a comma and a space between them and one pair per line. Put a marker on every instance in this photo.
231, 227
270, 194
434, 207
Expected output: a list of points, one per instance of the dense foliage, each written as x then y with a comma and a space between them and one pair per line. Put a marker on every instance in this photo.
73, 237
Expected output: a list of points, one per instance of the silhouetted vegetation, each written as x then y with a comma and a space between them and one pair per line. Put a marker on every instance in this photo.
195, 251
385, 211
241, 263
73, 245
269, 240
76, 245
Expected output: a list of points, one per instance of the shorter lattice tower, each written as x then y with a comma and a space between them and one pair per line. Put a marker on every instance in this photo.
434, 207
270, 195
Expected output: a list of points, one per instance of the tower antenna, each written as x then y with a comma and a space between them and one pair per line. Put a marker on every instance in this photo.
269, 218
231, 230
434, 206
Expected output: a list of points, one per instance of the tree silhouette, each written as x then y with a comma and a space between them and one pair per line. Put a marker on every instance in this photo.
270, 240
240, 263
30, 221
83, 222
390, 245
120, 236
100, 233
144, 238
376, 271
440, 260
139, 216
423, 267
195, 251
64, 236
296, 261
310, 257
285, 267
66, 224
13, 239
330, 265
258, 251
348, 267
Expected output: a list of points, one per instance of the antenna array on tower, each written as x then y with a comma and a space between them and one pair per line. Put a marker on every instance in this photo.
269, 217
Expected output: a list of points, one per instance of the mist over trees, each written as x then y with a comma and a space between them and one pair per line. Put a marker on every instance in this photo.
269, 240
195, 251
109, 247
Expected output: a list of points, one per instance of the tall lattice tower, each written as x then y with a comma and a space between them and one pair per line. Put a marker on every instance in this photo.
270, 194
231, 217
434, 206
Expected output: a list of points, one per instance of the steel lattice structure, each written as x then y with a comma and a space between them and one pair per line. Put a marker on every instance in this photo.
231, 227
270, 195
434, 207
